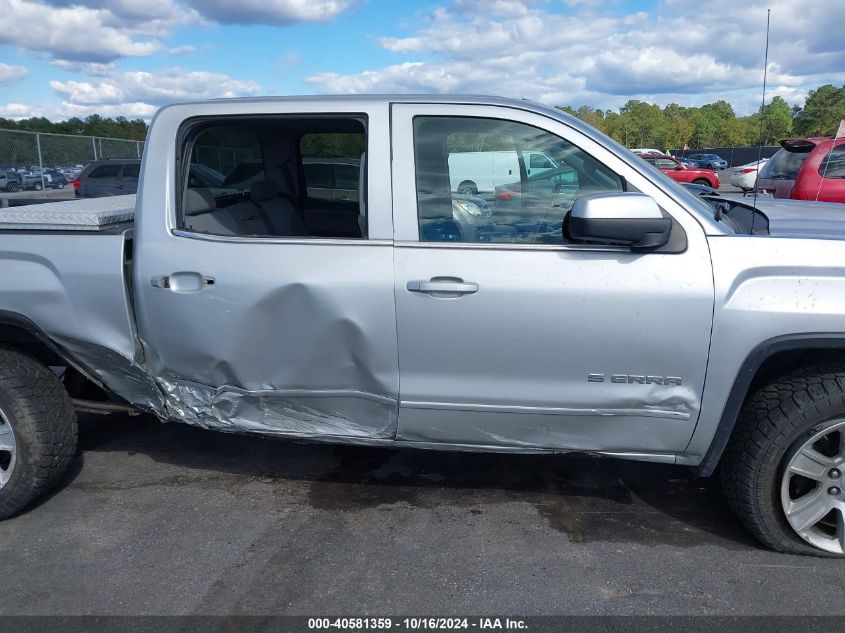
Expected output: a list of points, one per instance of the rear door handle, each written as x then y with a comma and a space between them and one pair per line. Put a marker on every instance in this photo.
443, 286
182, 282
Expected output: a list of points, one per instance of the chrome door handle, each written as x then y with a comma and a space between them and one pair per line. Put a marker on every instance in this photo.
443, 286
182, 282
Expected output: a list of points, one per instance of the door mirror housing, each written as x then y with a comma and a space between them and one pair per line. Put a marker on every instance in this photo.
625, 219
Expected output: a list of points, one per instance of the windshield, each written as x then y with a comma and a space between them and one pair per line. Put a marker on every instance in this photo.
783, 165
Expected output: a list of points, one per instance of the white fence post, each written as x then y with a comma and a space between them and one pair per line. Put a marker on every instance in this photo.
40, 161
94, 145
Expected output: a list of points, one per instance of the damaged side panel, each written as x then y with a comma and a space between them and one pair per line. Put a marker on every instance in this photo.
292, 339
72, 287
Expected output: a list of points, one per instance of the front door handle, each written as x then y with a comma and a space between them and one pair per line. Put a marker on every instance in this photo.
182, 282
443, 287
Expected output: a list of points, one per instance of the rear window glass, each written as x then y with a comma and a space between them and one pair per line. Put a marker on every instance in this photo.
833, 165
783, 165
318, 175
105, 171
131, 171
346, 176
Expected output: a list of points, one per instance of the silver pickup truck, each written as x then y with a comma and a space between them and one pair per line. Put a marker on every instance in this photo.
595, 306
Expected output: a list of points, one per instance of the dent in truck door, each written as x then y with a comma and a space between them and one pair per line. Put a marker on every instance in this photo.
292, 336
501, 324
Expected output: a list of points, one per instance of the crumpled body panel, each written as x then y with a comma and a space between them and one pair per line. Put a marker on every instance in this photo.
307, 414
292, 339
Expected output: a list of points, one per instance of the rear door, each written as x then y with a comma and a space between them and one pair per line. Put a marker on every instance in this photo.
288, 335
508, 336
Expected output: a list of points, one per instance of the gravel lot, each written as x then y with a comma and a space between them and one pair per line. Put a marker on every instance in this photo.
167, 519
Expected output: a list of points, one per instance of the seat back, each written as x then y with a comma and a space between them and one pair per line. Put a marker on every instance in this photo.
278, 210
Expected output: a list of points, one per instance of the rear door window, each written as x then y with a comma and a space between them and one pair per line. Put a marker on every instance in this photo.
131, 171
105, 171
346, 176
833, 165
783, 165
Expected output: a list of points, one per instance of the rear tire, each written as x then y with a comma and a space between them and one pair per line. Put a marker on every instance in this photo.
468, 188
38, 431
765, 463
703, 181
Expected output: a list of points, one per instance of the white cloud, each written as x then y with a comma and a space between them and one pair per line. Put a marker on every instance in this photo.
271, 11
164, 86
585, 55
101, 31
11, 74
140, 94
19, 111
128, 110
71, 33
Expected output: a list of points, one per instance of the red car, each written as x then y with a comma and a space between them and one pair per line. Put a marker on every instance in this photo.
806, 169
676, 170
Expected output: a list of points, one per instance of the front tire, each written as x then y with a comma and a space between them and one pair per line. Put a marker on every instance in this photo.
38, 431
783, 468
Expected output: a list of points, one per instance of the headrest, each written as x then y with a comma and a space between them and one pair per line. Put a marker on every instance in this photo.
198, 201
262, 190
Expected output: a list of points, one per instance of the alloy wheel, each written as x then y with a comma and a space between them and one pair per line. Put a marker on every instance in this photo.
8, 450
813, 489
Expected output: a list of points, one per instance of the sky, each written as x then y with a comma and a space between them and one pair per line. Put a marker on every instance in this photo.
65, 58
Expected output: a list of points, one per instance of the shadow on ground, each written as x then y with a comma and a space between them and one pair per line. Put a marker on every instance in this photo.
588, 498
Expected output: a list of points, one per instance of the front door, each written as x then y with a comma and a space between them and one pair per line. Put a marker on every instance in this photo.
509, 336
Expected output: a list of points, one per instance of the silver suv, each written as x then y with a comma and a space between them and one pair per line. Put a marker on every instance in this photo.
111, 177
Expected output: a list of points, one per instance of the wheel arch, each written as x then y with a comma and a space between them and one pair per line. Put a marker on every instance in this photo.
19, 332
766, 361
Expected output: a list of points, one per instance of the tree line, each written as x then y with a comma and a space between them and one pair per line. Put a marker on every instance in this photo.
641, 124
93, 125
636, 124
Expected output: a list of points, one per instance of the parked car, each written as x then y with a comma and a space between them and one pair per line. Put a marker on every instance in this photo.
30, 180
806, 169
331, 178
709, 161
109, 177
678, 172
8, 182
57, 179
686, 161
647, 150
425, 329
745, 176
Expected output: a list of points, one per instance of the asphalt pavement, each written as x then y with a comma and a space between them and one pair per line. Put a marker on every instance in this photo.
167, 519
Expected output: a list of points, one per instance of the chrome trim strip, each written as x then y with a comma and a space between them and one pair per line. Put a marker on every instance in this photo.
243, 239
495, 408
512, 246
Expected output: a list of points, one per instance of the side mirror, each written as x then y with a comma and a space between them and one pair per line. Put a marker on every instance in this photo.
626, 219
678, 167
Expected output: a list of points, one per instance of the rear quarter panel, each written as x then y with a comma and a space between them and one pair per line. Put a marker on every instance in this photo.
72, 287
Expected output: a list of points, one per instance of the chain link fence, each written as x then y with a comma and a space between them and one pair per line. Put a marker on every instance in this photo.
38, 160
